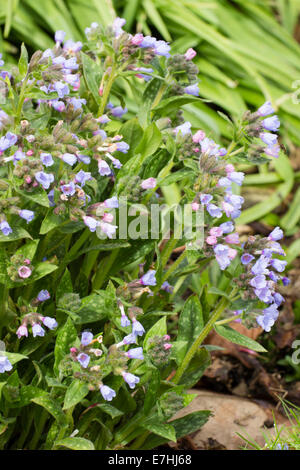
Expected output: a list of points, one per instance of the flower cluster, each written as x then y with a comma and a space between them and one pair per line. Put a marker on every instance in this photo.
35, 319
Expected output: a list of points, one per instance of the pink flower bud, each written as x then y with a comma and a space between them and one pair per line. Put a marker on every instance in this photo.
195, 206
137, 39
24, 272
22, 331
149, 183
167, 346
190, 54
216, 231
27, 261
229, 168
28, 180
29, 153
232, 253
100, 91
167, 337
211, 240
200, 135
108, 218
232, 239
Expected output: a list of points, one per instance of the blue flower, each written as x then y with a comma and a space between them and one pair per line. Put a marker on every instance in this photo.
271, 123
68, 189
45, 179
7, 141
131, 379
136, 353
91, 223
82, 177
83, 359
276, 234
50, 322
162, 48
5, 228
47, 159
59, 36
86, 338
26, 215
107, 392
61, 88
69, 158
43, 295
184, 128
37, 330
222, 256
246, 258
137, 328
266, 109
192, 89
149, 278
214, 210
5, 364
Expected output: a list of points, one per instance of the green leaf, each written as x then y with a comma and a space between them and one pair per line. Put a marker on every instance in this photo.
152, 391
150, 141
17, 234
158, 329
160, 428
29, 249
177, 176
75, 443
183, 426
132, 134
23, 61
64, 286
75, 393
39, 196
14, 357
92, 75
53, 407
95, 307
237, 338
174, 103
66, 337
110, 410
50, 222
189, 326
196, 368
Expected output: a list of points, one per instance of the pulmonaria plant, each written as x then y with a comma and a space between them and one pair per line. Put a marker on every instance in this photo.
85, 298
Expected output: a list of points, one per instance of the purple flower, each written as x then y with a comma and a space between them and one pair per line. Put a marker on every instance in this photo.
137, 328
83, 359
224, 182
145, 42
112, 203
136, 353
236, 177
246, 258
286, 281
107, 392
162, 48
260, 267
50, 322
214, 211
149, 279
266, 322
167, 287
227, 227
271, 123
71, 64
61, 88
268, 138
5, 364
72, 47
125, 321
259, 281
122, 147
82, 177
43, 295
118, 111
84, 159
37, 330
104, 168
184, 128
45, 179
108, 229
205, 198
222, 256
7, 141
59, 36
91, 223
278, 298
5, 228
131, 379
273, 151
149, 183
47, 159
86, 338
77, 102
68, 189
22, 331
117, 26
276, 234
69, 158
192, 89
26, 215
264, 295
279, 265
266, 109
57, 105
129, 339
